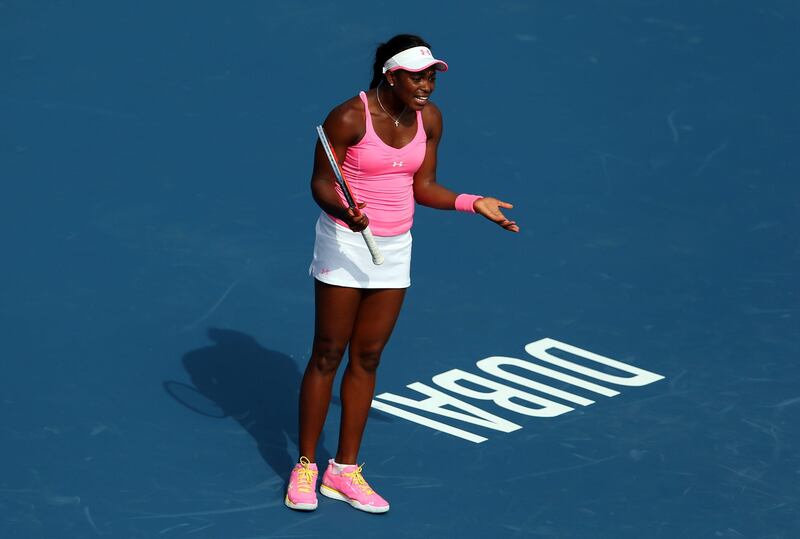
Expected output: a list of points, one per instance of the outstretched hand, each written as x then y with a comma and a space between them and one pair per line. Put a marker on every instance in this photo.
489, 207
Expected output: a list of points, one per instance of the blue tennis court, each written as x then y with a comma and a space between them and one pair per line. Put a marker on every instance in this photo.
624, 367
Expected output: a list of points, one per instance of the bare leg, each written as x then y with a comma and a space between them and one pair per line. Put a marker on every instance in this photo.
336, 311
377, 314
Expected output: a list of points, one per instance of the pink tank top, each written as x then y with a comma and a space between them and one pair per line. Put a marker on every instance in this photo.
383, 177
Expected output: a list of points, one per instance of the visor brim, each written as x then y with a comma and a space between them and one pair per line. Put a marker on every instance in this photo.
440, 66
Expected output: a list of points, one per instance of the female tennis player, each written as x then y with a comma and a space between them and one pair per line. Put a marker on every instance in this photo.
386, 140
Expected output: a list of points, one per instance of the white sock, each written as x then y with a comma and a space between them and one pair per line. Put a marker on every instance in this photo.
339, 468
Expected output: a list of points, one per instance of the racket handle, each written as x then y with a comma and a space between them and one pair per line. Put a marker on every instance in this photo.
369, 239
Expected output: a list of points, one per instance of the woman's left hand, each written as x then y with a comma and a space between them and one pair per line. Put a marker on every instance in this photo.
489, 207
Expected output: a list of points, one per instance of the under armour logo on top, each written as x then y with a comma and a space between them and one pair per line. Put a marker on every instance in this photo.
397, 163
425, 52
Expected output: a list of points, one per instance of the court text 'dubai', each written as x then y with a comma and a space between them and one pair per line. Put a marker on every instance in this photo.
440, 401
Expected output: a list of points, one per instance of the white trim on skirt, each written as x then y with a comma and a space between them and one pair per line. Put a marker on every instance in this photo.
341, 258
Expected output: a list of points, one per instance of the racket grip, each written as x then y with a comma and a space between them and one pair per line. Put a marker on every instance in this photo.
369, 239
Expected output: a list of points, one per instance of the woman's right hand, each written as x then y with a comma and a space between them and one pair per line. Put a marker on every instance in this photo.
355, 219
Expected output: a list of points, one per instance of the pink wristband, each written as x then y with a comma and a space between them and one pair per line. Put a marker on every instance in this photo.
464, 202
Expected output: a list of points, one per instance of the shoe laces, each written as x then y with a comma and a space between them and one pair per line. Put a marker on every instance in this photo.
305, 475
357, 479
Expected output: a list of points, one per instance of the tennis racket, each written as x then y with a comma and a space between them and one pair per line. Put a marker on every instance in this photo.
369, 239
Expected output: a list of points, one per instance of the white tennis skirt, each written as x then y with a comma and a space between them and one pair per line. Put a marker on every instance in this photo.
341, 258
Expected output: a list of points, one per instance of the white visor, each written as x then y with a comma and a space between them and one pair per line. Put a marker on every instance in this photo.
414, 59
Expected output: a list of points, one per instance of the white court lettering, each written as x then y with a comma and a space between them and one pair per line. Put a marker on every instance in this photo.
442, 404
427, 422
491, 365
641, 377
437, 400
501, 394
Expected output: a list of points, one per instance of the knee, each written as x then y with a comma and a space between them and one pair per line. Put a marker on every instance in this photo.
326, 356
367, 358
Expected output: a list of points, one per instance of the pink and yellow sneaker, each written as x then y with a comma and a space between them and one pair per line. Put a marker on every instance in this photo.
351, 487
301, 493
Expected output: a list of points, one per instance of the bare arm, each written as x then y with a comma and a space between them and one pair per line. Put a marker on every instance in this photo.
343, 127
426, 191
430, 193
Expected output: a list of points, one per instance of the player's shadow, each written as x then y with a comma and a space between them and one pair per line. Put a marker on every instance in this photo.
236, 377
